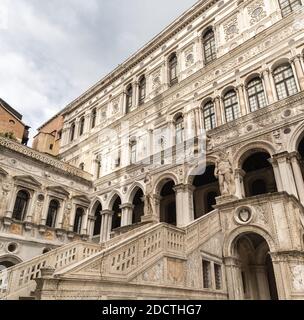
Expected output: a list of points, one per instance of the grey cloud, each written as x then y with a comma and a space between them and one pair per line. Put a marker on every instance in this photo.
54, 50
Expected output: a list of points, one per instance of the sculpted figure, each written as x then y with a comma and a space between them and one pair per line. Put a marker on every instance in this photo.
148, 209
224, 173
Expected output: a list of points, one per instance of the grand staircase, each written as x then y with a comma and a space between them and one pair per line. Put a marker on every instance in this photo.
122, 258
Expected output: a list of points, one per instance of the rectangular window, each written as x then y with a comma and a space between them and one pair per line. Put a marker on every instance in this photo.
218, 276
288, 6
206, 274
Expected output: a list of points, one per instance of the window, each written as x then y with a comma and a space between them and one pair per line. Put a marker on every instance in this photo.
133, 153
93, 118
129, 98
231, 105
206, 274
288, 6
179, 130
72, 132
81, 126
218, 276
256, 94
173, 69
51, 146
209, 46
81, 166
142, 89
78, 220
59, 134
209, 116
52, 214
285, 81
21, 204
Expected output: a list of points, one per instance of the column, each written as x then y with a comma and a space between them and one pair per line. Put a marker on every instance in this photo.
106, 225
296, 61
45, 210
234, 280
218, 110
268, 88
239, 183
276, 174
135, 94
165, 74
240, 89
297, 172
184, 204
12, 199
127, 214
286, 173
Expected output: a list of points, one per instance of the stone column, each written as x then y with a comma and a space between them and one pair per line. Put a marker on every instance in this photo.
184, 204
239, 183
135, 94
262, 282
296, 61
234, 280
218, 110
106, 225
241, 95
297, 172
45, 210
276, 174
165, 74
268, 88
127, 214
286, 175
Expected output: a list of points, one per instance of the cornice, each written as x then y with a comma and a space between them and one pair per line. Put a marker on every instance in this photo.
46, 160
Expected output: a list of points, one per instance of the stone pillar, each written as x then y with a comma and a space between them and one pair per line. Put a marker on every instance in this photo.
184, 204
287, 178
241, 95
106, 225
127, 214
198, 121
234, 280
135, 94
276, 174
239, 183
218, 110
171, 126
268, 88
297, 172
45, 210
296, 61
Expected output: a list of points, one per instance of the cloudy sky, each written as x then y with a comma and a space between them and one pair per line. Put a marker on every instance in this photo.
53, 50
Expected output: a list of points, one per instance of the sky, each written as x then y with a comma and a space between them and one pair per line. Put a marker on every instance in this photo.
51, 51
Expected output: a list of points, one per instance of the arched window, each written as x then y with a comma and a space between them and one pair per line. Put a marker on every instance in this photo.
256, 94
129, 98
173, 69
78, 220
21, 204
288, 6
142, 89
81, 126
285, 81
209, 116
232, 109
93, 118
209, 46
52, 213
72, 132
179, 130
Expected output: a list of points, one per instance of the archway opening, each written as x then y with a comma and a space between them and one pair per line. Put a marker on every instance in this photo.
138, 210
8, 262
206, 191
168, 203
301, 152
116, 219
259, 176
256, 271
97, 222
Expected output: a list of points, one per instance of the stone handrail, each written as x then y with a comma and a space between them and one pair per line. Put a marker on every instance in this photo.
125, 259
19, 280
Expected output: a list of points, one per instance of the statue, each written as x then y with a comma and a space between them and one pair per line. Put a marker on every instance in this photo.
66, 217
225, 174
148, 209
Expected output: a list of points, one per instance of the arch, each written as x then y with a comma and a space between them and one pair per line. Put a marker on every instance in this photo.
162, 180
173, 69
279, 62
209, 46
167, 205
142, 86
231, 238
96, 213
21, 204
94, 203
9, 260
111, 199
52, 215
250, 148
199, 168
295, 138
251, 76
133, 190
138, 205
227, 89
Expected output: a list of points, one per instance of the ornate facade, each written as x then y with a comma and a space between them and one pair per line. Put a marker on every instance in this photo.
127, 210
